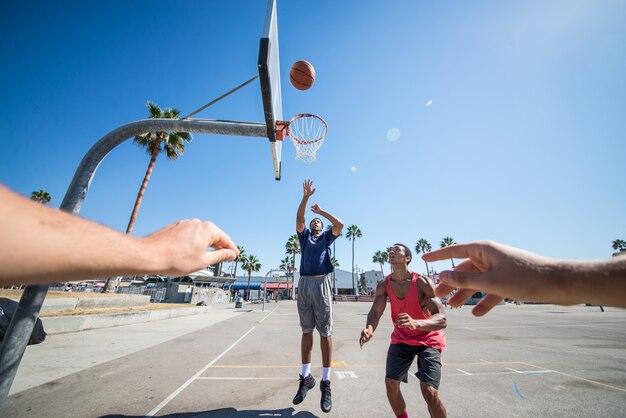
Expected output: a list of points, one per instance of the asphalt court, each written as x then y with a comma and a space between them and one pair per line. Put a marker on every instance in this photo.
519, 361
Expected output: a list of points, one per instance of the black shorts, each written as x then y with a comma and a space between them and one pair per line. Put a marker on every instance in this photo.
400, 357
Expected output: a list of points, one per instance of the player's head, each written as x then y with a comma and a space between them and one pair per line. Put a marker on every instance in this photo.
316, 224
398, 253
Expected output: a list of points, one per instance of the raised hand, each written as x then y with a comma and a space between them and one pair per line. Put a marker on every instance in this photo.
308, 189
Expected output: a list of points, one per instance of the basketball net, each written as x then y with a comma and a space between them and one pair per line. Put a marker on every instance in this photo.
307, 132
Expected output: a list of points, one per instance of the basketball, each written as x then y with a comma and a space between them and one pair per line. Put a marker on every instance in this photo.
302, 75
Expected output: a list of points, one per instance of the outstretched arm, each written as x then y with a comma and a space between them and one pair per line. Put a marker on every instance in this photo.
337, 224
504, 271
377, 310
307, 191
43, 245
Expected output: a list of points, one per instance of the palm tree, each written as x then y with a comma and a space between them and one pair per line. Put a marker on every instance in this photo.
423, 246
333, 260
238, 259
286, 263
174, 145
444, 243
352, 234
380, 257
292, 247
250, 263
41, 196
619, 245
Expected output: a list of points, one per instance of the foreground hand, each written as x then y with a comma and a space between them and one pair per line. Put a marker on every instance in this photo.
405, 321
366, 335
494, 268
181, 248
307, 188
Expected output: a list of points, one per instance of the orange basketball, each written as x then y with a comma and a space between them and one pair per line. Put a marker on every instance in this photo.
302, 75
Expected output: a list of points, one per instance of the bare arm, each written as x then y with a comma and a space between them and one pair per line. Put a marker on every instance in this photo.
337, 224
437, 319
307, 191
377, 310
504, 271
44, 245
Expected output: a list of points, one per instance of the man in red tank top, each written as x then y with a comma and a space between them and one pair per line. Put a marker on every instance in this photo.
419, 319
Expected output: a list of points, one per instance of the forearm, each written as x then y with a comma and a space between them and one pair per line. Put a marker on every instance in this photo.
43, 245
333, 220
372, 321
434, 323
600, 282
301, 210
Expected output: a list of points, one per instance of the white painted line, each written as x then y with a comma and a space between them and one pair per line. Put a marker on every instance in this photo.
516, 371
463, 371
195, 376
346, 375
264, 318
246, 378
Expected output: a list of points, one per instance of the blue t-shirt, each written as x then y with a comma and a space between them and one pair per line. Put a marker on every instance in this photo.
316, 255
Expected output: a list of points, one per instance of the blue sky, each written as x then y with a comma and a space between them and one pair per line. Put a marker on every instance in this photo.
523, 140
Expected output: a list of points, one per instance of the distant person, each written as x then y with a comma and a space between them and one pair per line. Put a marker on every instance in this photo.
315, 294
41, 245
418, 322
502, 271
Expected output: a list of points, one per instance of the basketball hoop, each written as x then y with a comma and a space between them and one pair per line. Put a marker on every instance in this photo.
307, 132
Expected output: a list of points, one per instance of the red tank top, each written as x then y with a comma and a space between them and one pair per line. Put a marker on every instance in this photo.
411, 306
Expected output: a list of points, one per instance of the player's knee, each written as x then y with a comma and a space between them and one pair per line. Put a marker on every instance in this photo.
429, 393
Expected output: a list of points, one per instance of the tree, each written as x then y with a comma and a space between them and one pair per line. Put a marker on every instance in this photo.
619, 245
292, 247
286, 263
445, 242
250, 263
352, 234
41, 196
380, 257
333, 260
239, 259
173, 143
423, 246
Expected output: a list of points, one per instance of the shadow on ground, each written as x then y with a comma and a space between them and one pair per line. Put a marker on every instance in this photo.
230, 413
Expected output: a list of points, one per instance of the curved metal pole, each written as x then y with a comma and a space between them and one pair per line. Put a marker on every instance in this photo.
23, 322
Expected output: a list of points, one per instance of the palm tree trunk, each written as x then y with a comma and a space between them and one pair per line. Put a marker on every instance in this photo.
293, 276
452, 260
109, 286
248, 292
427, 272
353, 288
142, 189
381, 270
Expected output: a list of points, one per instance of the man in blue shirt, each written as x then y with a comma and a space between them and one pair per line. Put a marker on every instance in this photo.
315, 294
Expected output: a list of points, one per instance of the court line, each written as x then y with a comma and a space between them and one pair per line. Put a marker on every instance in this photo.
195, 376
268, 315
578, 377
245, 378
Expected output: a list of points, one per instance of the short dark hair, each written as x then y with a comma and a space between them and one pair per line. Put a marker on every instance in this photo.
320, 219
407, 252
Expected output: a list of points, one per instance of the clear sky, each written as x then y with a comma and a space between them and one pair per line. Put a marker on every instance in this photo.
475, 120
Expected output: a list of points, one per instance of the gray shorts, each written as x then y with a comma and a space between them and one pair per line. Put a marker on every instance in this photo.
315, 304
401, 356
